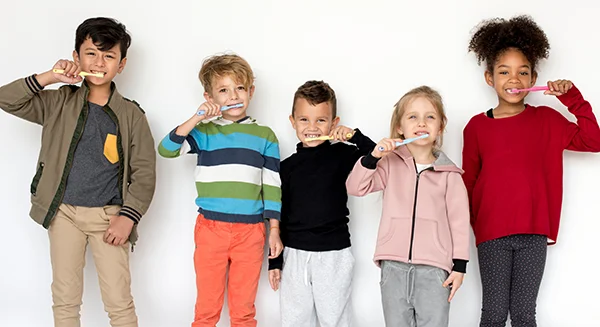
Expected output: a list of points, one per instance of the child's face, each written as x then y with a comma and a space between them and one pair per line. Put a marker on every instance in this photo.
511, 70
420, 117
312, 121
91, 59
225, 92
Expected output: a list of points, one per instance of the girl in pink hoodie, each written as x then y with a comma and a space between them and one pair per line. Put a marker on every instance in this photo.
423, 241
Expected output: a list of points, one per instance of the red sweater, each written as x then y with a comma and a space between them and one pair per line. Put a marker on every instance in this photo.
513, 167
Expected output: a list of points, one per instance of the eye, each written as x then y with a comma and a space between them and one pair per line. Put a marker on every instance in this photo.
503, 73
524, 73
412, 117
303, 119
90, 54
222, 90
241, 88
110, 56
431, 117
321, 120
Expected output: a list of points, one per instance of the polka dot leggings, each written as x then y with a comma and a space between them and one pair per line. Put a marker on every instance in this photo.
511, 272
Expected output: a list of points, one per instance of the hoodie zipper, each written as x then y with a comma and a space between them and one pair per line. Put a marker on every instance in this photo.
414, 215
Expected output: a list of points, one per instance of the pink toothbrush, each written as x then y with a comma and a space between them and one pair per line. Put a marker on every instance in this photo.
535, 88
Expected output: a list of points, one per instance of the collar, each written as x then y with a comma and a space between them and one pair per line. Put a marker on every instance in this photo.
301, 148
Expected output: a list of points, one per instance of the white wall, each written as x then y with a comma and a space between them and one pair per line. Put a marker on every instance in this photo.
370, 52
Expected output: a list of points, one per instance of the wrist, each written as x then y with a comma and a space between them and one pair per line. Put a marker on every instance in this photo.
46, 78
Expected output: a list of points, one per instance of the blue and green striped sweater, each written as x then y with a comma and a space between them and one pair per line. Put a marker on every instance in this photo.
237, 175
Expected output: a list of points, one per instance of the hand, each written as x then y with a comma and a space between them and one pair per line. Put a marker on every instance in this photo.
71, 74
384, 147
455, 280
275, 245
558, 87
210, 110
274, 278
340, 133
118, 230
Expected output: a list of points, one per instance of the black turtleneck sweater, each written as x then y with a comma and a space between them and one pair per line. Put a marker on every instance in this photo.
314, 213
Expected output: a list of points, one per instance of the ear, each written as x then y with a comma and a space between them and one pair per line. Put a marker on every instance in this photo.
207, 97
489, 78
399, 130
335, 122
293, 121
534, 77
251, 92
122, 65
76, 57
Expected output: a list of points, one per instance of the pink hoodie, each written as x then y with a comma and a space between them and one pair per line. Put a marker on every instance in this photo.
429, 210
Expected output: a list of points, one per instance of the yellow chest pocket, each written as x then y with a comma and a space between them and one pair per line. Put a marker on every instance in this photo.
110, 148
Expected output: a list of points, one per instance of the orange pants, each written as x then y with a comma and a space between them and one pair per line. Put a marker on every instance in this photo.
220, 245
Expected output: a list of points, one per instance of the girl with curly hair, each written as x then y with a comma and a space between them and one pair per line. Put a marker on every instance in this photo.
513, 167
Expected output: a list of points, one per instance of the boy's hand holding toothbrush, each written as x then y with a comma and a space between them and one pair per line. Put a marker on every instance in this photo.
207, 110
341, 133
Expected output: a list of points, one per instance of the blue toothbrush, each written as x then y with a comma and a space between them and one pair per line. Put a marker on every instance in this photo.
407, 141
239, 105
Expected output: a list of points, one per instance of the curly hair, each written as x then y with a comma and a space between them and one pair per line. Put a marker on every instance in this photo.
493, 37
316, 92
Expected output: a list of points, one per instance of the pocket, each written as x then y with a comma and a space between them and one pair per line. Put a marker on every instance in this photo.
394, 226
110, 148
441, 274
384, 272
428, 234
36, 178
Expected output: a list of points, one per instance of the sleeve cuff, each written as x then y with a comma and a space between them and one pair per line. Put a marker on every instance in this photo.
33, 85
276, 263
369, 161
176, 138
459, 265
131, 214
356, 136
271, 214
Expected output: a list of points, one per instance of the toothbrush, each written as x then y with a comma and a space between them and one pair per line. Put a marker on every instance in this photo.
239, 105
407, 141
82, 74
535, 88
324, 138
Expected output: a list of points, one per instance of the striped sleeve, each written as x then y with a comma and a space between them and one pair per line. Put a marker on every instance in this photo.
170, 146
271, 182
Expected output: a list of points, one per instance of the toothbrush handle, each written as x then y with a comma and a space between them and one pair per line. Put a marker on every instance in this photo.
537, 88
397, 144
201, 112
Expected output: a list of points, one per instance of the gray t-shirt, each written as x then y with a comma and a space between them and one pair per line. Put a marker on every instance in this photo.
94, 176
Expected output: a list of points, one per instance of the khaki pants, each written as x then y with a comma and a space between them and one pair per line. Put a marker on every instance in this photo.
70, 232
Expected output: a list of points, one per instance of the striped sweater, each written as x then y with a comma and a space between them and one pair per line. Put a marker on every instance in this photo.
237, 174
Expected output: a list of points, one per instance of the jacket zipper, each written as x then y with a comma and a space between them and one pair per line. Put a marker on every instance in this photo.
414, 215
72, 148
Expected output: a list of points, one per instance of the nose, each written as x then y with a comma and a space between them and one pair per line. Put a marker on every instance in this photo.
100, 62
421, 122
234, 95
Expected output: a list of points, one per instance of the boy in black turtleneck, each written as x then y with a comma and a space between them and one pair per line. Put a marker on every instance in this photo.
315, 270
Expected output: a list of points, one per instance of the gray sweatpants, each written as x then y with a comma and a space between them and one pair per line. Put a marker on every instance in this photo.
413, 295
316, 286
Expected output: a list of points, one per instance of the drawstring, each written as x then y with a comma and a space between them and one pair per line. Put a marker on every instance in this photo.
306, 266
306, 269
410, 283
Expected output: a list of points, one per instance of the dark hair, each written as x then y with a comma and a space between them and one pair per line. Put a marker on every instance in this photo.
316, 92
493, 37
105, 33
